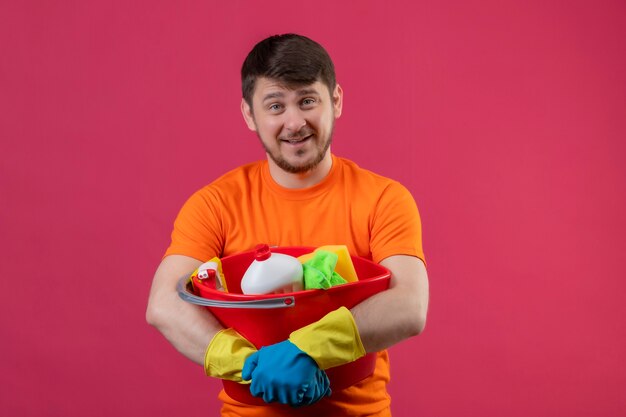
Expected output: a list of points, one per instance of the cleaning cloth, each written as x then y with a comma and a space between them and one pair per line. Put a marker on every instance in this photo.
319, 271
344, 266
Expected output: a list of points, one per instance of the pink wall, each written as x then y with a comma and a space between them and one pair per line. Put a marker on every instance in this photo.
506, 120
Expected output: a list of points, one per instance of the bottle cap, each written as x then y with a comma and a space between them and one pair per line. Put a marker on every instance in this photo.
262, 252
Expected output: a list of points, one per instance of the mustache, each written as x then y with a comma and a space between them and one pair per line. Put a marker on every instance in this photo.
300, 134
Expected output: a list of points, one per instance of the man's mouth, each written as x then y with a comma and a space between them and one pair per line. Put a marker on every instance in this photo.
294, 141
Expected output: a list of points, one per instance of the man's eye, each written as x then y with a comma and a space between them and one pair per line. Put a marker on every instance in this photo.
308, 101
275, 107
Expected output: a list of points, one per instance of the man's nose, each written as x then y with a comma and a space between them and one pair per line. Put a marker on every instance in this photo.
294, 120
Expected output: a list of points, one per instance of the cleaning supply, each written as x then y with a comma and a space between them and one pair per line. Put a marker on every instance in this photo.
283, 373
344, 266
226, 354
272, 273
210, 273
319, 271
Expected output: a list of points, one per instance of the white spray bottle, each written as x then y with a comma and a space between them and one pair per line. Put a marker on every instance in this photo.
272, 273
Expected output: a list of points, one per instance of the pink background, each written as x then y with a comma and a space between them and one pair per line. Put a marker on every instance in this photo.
506, 120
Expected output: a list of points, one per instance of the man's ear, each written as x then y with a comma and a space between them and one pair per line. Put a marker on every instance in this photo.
337, 101
246, 111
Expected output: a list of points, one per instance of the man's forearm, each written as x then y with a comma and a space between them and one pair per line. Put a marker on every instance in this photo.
398, 313
187, 327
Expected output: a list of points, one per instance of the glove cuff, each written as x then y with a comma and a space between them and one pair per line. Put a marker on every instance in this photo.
331, 341
226, 354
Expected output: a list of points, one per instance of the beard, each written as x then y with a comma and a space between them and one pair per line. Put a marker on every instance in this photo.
281, 162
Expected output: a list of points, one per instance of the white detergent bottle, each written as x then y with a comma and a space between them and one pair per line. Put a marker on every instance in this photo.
272, 273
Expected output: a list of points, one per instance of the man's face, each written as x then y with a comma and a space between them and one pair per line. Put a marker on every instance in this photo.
295, 125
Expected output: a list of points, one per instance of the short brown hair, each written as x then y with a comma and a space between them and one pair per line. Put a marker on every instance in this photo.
292, 59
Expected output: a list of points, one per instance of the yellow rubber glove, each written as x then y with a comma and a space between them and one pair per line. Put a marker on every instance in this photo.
226, 354
331, 341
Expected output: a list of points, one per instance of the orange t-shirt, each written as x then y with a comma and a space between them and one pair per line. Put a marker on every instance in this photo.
375, 217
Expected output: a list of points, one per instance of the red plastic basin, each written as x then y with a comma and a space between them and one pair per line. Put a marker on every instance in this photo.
264, 325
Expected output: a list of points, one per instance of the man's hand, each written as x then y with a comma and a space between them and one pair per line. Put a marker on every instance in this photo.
283, 373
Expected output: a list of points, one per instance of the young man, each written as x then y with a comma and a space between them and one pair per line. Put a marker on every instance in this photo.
302, 195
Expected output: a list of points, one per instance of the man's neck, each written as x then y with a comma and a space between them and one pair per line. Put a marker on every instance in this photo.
304, 179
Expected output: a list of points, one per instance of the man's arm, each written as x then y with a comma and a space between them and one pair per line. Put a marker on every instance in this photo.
398, 313
189, 328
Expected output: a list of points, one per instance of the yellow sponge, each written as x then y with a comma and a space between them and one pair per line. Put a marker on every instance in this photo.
344, 266
306, 257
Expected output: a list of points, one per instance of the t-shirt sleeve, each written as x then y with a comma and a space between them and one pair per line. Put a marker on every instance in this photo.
197, 228
396, 227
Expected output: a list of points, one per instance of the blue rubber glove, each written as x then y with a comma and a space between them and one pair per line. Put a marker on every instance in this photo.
285, 374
